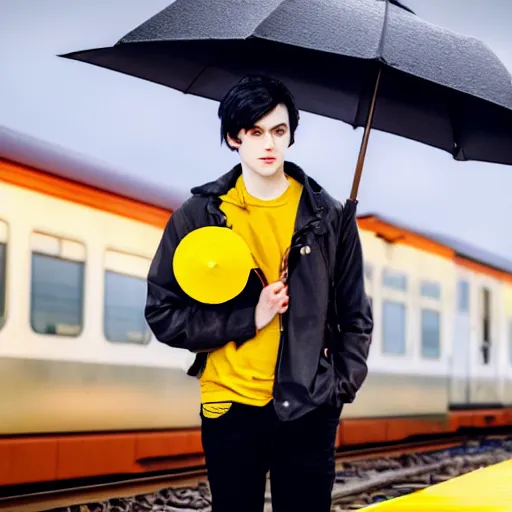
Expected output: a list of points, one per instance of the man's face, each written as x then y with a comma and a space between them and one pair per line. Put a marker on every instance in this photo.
262, 148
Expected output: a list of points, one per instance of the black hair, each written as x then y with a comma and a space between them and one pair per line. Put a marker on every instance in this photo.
252, 98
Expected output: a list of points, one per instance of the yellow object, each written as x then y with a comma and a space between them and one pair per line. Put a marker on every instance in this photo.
212, 264
246, 374
484, 490
216, 410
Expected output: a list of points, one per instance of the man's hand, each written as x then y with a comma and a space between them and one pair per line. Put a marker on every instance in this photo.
273, 300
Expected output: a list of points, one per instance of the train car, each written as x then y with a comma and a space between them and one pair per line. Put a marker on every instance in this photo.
442, 341
86, 390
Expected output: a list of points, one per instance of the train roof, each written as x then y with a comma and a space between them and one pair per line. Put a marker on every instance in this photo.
70, 165
461, 249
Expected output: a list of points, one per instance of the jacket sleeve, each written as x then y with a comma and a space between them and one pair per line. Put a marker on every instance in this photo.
179, 321
353, 311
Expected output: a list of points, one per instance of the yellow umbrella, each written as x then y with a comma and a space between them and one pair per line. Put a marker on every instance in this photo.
212, 264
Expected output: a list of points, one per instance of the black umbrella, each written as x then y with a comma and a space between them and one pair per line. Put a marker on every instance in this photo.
338, 57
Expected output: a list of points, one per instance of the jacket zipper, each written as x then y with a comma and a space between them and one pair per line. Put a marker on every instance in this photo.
281, 323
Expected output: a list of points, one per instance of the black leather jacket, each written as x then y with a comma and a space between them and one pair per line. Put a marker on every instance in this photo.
328, 305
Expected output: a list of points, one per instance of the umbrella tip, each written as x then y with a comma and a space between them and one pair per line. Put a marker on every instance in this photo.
397, 3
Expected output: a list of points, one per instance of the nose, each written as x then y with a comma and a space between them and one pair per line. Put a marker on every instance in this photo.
269, 141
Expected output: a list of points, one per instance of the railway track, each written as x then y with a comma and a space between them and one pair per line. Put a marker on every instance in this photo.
363, 477
364, 482
85, 498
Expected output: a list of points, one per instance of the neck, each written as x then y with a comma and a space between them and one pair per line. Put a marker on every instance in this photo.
265, 188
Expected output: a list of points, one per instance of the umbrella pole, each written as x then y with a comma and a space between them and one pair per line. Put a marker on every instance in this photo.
364, 142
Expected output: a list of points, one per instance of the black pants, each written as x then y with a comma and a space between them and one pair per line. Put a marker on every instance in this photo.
246, 442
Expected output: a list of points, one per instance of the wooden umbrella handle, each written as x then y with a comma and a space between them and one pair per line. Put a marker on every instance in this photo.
364, 142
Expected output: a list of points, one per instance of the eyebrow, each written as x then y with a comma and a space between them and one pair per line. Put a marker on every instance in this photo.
284, 125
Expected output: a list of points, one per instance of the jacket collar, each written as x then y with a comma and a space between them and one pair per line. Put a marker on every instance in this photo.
311, 204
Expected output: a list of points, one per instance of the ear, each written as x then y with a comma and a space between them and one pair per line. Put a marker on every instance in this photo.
233, 143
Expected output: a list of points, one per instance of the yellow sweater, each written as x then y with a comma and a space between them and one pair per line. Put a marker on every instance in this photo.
246, 374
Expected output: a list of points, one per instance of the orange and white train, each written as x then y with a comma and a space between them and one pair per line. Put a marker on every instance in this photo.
85, 390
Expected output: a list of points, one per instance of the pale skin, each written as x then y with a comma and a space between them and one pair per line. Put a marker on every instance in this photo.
262, 153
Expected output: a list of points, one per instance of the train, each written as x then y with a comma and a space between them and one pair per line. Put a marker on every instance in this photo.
86, 390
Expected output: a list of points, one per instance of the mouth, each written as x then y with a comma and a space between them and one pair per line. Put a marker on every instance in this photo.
268, 160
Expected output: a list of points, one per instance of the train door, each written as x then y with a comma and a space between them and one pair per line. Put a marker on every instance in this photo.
460, 359
485, 346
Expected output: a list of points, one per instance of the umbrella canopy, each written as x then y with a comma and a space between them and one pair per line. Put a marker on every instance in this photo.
365, 62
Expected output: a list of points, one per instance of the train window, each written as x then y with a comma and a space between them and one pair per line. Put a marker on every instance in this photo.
510, 341
125, 298
463, 296
393, 325
3, 266
486, 325
368, 281
57, 288
430, 289
430, 334
368, 272
393, 279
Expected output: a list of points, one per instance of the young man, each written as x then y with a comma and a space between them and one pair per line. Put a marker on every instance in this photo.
278, 362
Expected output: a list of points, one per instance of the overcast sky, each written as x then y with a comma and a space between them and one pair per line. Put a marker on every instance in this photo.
172, 139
